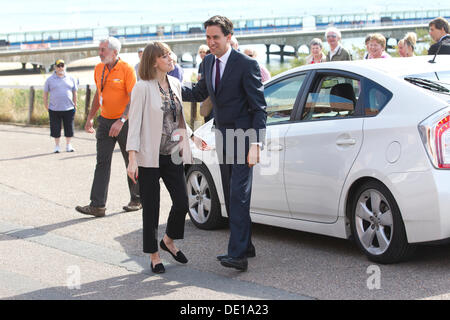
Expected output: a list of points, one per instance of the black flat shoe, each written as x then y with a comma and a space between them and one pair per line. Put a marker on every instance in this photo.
180, 257
159, 268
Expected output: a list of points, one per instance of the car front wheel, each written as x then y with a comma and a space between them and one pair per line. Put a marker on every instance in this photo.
204, 205
377, 225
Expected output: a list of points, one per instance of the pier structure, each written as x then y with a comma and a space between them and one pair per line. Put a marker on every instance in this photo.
41, 48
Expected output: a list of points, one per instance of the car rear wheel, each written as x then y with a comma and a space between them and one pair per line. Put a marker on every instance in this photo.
377, 225
204, 205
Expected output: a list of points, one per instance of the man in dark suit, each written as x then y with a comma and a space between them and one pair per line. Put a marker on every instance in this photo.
439, 32
233, 82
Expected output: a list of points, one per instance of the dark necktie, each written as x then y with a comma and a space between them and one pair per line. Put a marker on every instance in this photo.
217, 80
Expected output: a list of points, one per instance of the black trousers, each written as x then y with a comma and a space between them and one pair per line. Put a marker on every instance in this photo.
149, 189
105, 149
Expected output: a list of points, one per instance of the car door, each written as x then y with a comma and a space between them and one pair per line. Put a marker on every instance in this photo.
322, 146
268, 194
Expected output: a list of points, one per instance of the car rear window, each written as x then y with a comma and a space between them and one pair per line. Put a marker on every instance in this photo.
439, 78
376, 97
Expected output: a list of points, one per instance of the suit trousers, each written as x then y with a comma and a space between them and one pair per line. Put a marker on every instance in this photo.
105, 149
173, 177
237, 188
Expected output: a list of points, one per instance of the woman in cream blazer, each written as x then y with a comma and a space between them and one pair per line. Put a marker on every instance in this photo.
158, 145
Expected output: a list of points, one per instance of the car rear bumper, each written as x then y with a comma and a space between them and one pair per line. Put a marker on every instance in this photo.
424, 201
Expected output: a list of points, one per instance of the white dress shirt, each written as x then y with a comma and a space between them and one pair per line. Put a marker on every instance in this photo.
223, 62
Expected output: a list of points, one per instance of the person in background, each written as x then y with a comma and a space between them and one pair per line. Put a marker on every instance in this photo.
265, 74
136, 67
203, 50
234, 43
377, 46
156, 119
206, 110
63, 101
115, 80
178, 71
406, 45
439, 32
337, 52
366, 41
316, 54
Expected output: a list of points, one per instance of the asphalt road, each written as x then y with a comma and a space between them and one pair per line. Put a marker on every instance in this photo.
49, 251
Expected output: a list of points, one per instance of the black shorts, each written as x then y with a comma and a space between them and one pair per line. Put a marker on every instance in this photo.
55, 123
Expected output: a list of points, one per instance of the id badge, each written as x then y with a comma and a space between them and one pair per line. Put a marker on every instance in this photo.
101, 100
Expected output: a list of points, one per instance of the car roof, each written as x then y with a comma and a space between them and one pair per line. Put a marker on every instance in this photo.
396, 67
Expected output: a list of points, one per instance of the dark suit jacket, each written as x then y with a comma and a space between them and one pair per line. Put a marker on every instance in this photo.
239, 101
445, 49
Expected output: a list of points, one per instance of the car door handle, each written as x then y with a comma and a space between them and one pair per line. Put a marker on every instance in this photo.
346, 142
274, 147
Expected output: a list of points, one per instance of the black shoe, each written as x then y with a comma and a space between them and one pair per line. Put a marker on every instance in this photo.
251, 253
180, 257
239, 264
159, 268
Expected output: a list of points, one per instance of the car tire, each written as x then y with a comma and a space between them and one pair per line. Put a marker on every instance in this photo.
377, 225
204, 205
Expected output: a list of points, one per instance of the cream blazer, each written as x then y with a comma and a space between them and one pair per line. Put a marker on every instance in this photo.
145, 120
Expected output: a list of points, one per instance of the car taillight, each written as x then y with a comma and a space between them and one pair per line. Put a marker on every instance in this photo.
435, 134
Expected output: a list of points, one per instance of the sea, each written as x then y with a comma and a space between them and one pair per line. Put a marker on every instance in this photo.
27, 15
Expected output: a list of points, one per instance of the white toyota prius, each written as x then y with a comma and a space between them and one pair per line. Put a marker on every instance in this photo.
355, 149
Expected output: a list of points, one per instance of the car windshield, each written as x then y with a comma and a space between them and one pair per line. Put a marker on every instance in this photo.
434, 81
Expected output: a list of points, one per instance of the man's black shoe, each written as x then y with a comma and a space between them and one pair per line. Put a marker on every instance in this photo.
239, 264
251, 253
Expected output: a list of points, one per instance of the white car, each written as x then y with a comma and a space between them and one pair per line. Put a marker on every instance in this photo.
355, 149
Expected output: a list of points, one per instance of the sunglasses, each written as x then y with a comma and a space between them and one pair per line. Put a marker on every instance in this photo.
61, 65
331, 36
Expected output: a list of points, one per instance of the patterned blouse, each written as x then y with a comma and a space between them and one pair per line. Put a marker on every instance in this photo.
171, 107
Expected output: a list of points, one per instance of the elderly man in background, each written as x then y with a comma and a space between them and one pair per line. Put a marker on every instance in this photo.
439, 32
63, 101
337, 52
115, 80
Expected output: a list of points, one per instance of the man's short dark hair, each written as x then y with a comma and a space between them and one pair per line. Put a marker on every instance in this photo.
440, 23
223, 22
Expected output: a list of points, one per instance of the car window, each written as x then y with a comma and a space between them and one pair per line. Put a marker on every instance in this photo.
335, 97
280, 98
440, 77
376, 97
444, 78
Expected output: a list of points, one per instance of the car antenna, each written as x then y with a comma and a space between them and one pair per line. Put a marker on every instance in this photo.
439, 48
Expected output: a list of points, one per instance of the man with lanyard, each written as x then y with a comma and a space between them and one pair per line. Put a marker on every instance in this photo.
115, 80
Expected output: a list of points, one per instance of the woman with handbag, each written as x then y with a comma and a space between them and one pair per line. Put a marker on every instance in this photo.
158, 145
